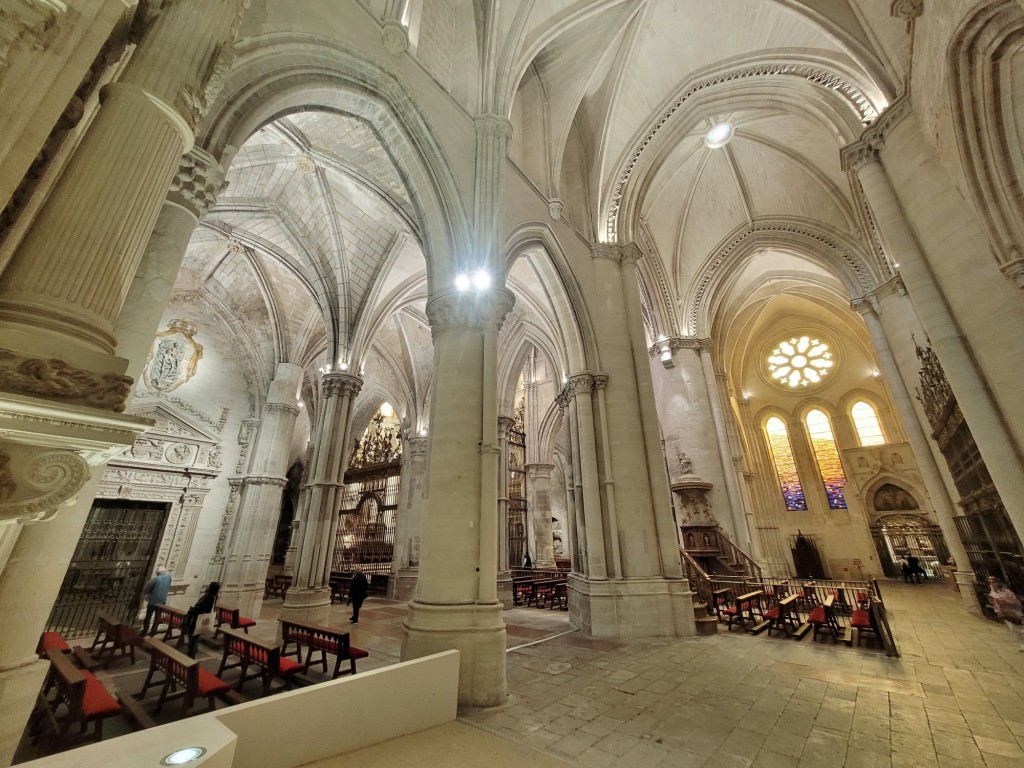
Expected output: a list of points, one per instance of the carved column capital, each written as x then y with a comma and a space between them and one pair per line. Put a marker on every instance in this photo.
865, 150
477, 311
563, 397
57, 380
493, 127
34, 482
395, 37
200, 178
628, 253
416, 445
336, 383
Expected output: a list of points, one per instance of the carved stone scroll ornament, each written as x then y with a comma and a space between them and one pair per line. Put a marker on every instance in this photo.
56, 380
35, 482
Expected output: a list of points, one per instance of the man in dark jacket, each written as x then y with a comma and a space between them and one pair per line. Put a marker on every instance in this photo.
357, 593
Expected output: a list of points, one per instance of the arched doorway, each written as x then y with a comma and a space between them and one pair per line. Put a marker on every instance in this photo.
903, 533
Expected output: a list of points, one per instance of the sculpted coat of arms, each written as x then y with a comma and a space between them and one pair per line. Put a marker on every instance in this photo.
174, 357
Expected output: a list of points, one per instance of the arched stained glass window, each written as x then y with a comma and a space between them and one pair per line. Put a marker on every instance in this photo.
865, 421
827, 454
785, 464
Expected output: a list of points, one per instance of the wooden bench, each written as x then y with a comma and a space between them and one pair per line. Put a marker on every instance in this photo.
276, 586
113, 636
742, 609
84, 699
522, 586
171, 669
322, 640
231, 617
174, 618
781, 616
265, 657
544, 592
823, 619
52, 641
561, 596
720, 600
863, 623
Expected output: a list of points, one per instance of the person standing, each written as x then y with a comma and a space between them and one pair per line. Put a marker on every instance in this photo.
1008, 609
156, 592
357, 593
198, 618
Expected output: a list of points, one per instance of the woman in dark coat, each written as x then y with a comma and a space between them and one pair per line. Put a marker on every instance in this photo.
203, 607
357, 593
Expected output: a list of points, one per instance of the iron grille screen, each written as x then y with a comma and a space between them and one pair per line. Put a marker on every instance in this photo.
366, 529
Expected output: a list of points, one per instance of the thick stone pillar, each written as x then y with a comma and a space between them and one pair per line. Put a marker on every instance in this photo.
408, 528
456, 603
538, 484
309, 598
994, 440
251, 544
634, 585
873, 310
193, 192
65, 285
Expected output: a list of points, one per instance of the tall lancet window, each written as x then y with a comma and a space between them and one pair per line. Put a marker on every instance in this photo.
785, 464
833, 476
865, 421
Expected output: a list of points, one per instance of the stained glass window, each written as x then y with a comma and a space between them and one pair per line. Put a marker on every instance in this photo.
827, 454
785, 464
800, 361
865, 421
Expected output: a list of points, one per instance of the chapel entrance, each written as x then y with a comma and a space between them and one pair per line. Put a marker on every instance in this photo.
897, 536
114, 558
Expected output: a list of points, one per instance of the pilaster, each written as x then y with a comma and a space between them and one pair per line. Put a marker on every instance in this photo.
408, 528
539, 492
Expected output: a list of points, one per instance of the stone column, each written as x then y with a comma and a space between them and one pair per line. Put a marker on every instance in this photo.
990, 431
504, 574
259, 497
408, 534
309, 598
193, 192
65, 285
717, 399
634, 585
872, 309
456, 603
539, 490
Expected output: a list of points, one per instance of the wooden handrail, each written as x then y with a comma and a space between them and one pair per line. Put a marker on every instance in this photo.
737, 556
700, 582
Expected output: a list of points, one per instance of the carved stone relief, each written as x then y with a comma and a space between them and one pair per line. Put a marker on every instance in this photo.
174, 357
34, 482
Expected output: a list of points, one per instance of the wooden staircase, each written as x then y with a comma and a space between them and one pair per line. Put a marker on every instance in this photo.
710, 545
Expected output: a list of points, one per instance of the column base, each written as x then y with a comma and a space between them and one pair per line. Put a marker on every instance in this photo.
637, 607
402, 585
476, 631
310, 606
248, 599
18, 690
505, 589
964, 584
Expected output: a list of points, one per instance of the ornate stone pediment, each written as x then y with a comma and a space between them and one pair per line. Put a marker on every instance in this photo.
179, 439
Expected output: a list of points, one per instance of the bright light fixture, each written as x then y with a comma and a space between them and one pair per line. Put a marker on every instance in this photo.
719, 135
183, 756
343, 366
423, 433
481, 280
462, 282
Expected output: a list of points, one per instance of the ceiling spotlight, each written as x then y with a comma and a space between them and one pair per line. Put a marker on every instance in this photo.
719, 135
462, 282
481, 280
343, 366
423, 433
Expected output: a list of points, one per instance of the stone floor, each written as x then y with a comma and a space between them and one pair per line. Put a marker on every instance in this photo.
955, 698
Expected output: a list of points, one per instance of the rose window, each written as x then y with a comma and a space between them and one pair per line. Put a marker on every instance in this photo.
800, 361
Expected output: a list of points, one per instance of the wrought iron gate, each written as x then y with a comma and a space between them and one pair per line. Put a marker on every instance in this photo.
896, 536
111, 564
366, 529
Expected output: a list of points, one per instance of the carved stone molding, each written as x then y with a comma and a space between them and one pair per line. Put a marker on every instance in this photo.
676, 343
477, 311
56, 380
416, 446
1014, 270
871, 301
493, 126
600, 380
200, 178
336, 383
395, 37
563, 397
282, 408
280, 482
865, 149
34, 482
28, 22
581, 383
908, 10
555, 209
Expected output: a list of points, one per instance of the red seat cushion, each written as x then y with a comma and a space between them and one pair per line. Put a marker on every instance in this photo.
52, 641
772, 613
860, 619
244, 622
210, 684
817, 615
288, 667
97, 701
357, 653
730, 610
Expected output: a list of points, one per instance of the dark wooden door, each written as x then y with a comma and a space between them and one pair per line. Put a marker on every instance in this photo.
113, 560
